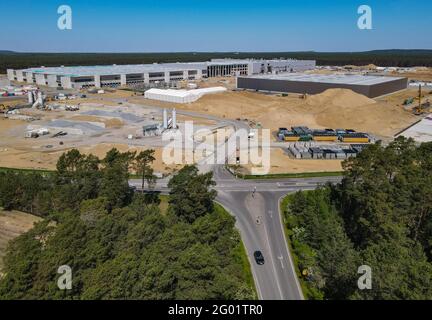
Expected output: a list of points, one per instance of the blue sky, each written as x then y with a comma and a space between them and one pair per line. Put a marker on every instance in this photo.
220, 25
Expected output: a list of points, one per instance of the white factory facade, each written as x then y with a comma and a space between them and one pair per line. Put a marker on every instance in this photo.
147, 74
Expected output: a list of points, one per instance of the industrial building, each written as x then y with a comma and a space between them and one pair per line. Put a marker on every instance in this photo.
236, 67
370, 86
146, 74
180, 96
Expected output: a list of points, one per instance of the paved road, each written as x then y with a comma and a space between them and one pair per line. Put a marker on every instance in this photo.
255, 204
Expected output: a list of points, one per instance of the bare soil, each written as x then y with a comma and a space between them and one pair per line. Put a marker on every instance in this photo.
12, 225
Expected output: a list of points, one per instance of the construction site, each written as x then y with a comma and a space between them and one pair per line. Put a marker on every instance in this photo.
310, 132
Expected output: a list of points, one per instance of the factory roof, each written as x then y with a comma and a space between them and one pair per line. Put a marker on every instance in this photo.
216, 62
82, 71
77, 71
353, 79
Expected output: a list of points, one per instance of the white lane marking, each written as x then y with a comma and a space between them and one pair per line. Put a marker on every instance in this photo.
272, 260
254, 275
281, 261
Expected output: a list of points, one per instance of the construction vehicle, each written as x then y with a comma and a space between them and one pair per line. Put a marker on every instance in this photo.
408, 101
4, 109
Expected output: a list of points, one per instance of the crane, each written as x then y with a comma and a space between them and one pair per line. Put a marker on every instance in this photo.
419, 110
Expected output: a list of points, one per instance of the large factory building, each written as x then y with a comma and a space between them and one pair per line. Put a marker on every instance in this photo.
370, 86
146, 74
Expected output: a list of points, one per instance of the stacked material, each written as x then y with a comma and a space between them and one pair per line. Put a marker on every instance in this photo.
294, 151
329, 135
180, 96
317, 153
311, 150
357, 137
334, 152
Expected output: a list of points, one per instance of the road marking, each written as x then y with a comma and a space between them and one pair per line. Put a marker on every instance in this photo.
272, 260
258, 220
271, 213
281, 261
251, 261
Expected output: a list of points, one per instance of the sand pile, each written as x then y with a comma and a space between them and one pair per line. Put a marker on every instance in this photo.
338, 98
369, 66
334, 108
340, 108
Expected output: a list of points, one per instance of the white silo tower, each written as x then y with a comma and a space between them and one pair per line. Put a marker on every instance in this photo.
30, 97
174, 119
165, 119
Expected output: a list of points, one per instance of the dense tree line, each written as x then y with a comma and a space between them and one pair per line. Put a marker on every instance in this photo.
401, 58
119, 243
379, 216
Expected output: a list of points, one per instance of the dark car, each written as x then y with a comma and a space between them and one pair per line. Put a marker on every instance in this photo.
259, 258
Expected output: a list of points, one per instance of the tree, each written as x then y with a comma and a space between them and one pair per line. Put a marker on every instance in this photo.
380, 216
400, 271
128, 254
115, 178
77, 178
119, 244
142, 166
69, 162
190, 195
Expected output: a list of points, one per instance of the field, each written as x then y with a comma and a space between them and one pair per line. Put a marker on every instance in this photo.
95, 128
103, 122
281, 163
13, 224
335, 108
421, 74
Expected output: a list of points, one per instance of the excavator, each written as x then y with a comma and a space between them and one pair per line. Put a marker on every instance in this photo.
3, 108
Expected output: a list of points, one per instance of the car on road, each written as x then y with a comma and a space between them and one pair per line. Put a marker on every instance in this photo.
259, 258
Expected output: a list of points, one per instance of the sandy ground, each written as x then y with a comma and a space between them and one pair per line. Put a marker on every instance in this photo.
11, 157
421, 73
281, 163
43, 153
13, 224
334, 108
